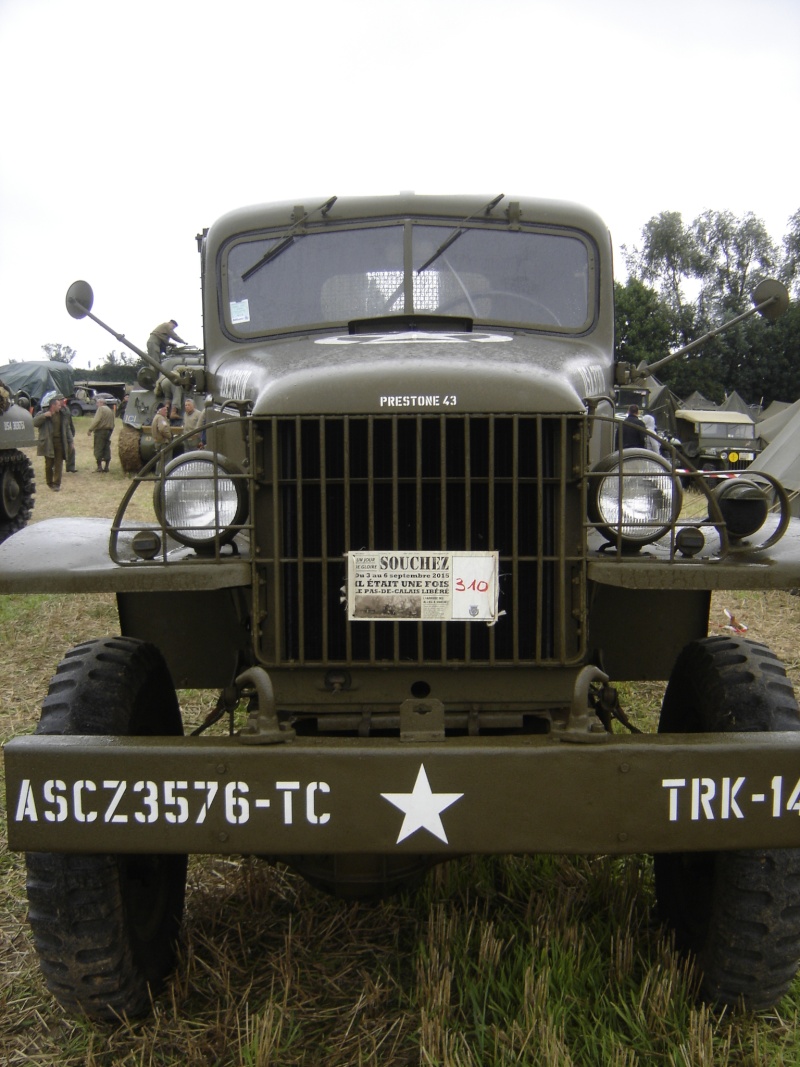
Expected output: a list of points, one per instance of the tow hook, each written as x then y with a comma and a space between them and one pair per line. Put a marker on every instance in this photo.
263, 727
582, 725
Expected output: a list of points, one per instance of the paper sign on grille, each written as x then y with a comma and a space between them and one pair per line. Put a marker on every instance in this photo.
422, 586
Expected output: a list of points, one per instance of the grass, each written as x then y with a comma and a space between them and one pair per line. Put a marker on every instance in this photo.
538, 961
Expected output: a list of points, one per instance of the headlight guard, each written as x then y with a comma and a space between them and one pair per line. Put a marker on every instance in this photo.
201, 500
640, 506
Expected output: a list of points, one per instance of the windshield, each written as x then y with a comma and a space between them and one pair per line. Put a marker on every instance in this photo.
738, 431
526, 277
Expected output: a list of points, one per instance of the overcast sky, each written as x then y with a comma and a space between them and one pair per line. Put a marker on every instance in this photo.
128, 128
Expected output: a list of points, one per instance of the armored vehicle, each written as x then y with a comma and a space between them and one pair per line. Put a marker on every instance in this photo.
420, 566
17, 484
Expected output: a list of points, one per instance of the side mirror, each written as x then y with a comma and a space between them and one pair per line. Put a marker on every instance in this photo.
771, 299
79, 299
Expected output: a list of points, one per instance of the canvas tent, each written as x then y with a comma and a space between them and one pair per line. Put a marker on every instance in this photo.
37, 377
781, 457
769, 428
698, 402
734, 402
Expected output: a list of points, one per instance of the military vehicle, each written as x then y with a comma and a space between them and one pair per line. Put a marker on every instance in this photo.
413, 565
84, 400
17, 482
718, 440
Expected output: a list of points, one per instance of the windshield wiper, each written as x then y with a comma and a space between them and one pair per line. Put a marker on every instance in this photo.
458, 231
289, 239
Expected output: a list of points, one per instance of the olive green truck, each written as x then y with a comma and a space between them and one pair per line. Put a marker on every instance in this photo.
412, 545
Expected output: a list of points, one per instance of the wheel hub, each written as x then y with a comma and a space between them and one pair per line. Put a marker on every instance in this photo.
11, 494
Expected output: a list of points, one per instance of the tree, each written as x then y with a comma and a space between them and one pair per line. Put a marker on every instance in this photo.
731, 257
644, 323
60, 353
790, 271
117, 366
723, 258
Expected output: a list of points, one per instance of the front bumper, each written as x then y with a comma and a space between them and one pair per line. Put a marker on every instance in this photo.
310, 796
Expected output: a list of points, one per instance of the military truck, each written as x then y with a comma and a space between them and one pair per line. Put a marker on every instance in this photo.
413, 565
17, 482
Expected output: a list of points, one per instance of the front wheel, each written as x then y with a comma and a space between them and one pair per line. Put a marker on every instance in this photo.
17, 490
737, 912
105, 927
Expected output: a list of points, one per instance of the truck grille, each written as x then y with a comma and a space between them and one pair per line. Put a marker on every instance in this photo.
425, 483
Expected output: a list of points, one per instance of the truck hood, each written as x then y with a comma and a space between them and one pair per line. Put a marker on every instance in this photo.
481, 371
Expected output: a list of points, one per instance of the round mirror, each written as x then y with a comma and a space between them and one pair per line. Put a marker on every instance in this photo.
79, 299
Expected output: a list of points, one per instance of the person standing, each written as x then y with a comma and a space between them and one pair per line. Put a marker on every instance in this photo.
160, 429
102, 426
633, 429
71, 468
193, 419
54, 439
651, 442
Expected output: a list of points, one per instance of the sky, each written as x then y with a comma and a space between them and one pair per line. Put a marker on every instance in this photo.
128, 128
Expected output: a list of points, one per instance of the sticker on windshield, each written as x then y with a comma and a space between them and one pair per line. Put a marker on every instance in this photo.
240, 311
422, 586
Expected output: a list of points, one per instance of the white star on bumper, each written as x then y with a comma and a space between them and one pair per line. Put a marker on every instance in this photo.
422, 808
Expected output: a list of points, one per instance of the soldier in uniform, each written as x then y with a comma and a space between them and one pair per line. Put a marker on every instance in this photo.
157, 347
160, 427
71, 468
102, 426
55, 438
193, 420
160, 337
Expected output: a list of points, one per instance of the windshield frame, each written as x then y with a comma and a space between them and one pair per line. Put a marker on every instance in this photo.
265, 250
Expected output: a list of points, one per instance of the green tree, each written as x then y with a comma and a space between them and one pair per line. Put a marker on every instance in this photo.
644, 323
60, 353
722, 258
731, 257
790, 271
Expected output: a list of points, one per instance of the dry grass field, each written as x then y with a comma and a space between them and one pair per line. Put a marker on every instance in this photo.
552, 961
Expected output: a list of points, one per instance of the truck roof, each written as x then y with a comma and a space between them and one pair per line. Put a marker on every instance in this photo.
722, 417
456, 207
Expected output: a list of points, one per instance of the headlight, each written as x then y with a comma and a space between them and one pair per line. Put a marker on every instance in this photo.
744, 504
202, 499
638, 507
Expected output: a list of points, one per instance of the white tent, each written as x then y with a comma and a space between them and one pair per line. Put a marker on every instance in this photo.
769, 428
781, 457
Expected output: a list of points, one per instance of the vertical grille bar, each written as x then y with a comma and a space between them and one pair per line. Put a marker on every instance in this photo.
443, 518
323, 509
371, 516
301, 600
467, 517
395, 525
491, 526
540, 539
418, 529
346, 518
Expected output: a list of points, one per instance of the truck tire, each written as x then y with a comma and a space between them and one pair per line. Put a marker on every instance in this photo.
17, 490
105, 927
129, 449
75, 410
737, 912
